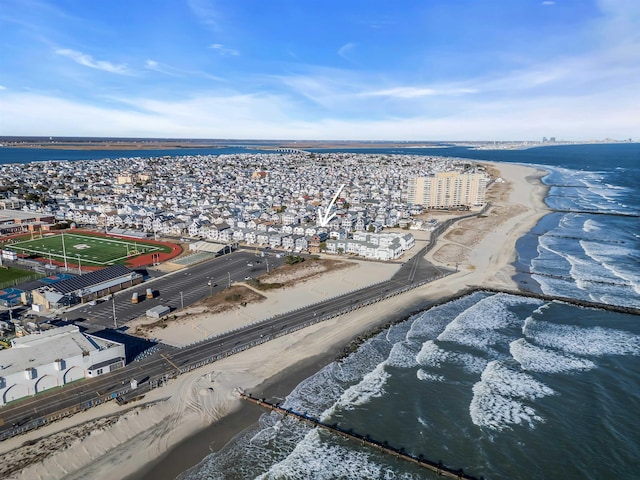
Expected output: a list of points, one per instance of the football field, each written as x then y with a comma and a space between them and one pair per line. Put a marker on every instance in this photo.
87, 250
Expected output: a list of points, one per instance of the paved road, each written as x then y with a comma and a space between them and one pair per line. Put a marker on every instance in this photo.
176, 290
168, 360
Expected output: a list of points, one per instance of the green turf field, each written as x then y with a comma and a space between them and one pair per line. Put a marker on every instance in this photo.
89, 250
9, 274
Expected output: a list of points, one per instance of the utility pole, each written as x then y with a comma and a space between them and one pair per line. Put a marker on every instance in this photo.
229, 273
181, 301
210, 288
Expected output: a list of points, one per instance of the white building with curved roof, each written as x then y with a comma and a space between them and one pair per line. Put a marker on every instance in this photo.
53, 358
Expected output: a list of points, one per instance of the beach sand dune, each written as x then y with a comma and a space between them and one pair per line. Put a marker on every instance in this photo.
107, 442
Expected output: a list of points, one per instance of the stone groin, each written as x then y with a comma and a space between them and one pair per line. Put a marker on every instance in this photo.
436, 467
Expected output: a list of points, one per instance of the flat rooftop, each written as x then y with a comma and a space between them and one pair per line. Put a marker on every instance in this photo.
6, 214
43, 348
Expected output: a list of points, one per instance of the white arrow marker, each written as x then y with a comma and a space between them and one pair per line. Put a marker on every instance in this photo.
325, 218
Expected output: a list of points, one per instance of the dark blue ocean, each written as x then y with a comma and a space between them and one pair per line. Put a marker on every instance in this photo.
503, 386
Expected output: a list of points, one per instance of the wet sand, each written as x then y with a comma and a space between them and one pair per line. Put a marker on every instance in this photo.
213, 438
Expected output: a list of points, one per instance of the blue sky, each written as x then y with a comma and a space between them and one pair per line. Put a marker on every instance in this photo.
325, 69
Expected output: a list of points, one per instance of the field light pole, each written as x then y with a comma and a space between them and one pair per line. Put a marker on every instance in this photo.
229, 273
210, 287
181, 301
79, 265
64, 254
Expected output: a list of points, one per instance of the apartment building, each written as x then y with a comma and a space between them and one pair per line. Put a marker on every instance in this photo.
448, 189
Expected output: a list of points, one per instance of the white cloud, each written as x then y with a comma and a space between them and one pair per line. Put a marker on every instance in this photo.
580, 96
415, 92
206, 12
233, 115
224, 51
548, 2
2, 87
161, 68
89, 61
346, 50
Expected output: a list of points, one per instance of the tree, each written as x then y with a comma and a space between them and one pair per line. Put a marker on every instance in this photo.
293, 259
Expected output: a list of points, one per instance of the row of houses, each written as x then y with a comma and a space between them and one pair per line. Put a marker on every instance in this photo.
387, 246
191, 195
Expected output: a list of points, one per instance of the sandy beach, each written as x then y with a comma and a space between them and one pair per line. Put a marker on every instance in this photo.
128, 442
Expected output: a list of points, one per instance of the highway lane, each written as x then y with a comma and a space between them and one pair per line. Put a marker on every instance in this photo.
158, 366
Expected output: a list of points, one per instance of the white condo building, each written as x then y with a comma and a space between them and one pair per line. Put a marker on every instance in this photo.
448, 189
38, 362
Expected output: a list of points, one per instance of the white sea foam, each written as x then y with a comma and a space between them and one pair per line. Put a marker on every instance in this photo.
584, 271
402, 356
539, 359
363, 360
479, 325
592, 341
371, 386
499, 396
432, 322
398, 332
429, 377
317, 392
551, 257
558, 286
431, 355
313, 457
591, 226
540, 311
423, 422
612, 257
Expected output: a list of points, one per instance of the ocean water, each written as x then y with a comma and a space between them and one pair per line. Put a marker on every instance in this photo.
595, 254
503, 386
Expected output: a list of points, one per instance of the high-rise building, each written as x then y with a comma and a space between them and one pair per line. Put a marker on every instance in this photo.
449, 189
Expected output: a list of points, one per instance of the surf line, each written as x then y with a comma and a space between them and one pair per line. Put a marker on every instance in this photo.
436, 467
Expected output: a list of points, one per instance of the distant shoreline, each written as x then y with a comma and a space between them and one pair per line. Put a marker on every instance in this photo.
110, 146
288, 144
